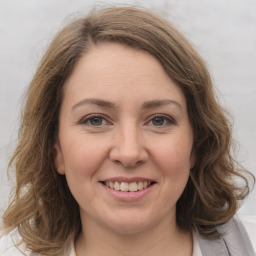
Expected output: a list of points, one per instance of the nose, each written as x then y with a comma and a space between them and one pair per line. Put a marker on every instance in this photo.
128, 149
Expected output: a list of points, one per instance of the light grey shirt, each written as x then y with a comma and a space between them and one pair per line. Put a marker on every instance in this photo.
234, 241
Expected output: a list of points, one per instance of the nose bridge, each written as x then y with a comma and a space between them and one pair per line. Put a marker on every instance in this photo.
129, 139
129, 147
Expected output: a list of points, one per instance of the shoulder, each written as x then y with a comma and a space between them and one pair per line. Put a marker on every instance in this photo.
237, 237
249, 222
8, 248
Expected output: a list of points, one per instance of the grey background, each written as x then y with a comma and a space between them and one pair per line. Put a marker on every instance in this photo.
223, 31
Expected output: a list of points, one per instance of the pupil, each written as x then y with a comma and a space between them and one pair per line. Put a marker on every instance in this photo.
158, 121
96, 121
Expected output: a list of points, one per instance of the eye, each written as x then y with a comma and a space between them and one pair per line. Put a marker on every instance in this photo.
158, 121
161, 121
95, 121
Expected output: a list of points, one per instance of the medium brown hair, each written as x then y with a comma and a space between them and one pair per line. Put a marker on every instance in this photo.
42, 209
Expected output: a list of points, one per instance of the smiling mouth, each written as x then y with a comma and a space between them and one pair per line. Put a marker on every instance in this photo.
127, 186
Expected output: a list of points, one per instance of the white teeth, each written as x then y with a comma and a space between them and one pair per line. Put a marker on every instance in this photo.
111, 184
140, 185
117, 185
125, 186
133, 187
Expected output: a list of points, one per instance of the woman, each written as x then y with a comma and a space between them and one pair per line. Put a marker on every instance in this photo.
123, 148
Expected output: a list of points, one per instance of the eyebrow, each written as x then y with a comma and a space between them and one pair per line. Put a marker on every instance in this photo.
160, 103
109, 105
98, 102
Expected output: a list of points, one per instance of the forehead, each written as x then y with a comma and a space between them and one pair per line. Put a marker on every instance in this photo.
116, 70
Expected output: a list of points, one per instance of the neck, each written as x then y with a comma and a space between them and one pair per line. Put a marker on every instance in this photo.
164, 239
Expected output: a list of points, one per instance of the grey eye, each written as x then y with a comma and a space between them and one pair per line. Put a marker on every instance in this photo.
158, 121
161, 121
96, 121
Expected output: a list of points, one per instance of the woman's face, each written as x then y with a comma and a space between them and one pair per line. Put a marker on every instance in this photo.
125, 140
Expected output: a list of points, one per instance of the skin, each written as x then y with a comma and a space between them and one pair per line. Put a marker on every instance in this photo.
136, 126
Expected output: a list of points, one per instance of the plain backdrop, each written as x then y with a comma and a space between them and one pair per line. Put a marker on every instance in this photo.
223, 31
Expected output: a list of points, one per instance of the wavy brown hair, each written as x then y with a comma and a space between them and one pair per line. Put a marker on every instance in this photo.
42, 208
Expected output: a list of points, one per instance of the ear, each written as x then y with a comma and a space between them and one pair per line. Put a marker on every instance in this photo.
58, 159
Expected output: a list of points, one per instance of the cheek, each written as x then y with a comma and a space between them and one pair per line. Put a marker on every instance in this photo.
82, 159
175, 157
83, 156
173, 164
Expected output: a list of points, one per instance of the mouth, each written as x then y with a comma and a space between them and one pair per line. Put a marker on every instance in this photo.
128, 186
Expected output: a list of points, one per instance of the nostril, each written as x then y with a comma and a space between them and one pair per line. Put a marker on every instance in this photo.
127, 162
128, 154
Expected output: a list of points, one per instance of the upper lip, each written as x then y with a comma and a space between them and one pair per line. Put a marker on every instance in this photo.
128, 179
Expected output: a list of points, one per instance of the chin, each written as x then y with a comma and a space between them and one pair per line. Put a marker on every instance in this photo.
129, 228
130, 223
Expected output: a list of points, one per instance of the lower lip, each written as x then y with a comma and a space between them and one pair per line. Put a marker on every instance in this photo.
129, 196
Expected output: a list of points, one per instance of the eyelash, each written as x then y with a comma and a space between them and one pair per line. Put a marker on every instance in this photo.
88, 119
167, 120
